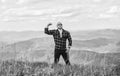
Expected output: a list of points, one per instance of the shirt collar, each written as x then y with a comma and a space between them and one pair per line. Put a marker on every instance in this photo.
60, 30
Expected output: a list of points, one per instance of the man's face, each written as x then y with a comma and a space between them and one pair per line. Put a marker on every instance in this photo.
59, 26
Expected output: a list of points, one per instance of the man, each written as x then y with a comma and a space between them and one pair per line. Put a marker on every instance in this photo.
60, 37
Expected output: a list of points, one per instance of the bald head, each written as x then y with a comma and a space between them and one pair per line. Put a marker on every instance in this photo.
59, 25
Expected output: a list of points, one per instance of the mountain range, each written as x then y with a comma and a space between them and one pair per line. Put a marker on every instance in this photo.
89, 47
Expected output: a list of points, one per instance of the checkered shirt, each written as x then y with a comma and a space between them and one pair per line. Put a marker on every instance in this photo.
60, 42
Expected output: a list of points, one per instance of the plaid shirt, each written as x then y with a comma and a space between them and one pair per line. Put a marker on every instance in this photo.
60, 42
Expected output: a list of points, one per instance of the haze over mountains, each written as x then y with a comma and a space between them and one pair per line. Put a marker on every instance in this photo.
89, 47
15, 36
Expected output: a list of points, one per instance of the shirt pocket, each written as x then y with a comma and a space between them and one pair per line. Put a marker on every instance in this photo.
56, 34
64, 35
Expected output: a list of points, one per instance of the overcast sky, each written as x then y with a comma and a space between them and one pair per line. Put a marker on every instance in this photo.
19, 15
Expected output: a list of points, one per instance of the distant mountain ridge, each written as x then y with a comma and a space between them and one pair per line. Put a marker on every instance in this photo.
16, 36
95, 47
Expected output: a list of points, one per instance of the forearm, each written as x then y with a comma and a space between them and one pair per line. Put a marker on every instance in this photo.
46, 30
49, 32
70, 41
70, 44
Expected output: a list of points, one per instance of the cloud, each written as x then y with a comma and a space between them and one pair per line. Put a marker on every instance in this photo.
21, 1
110, 12
97, 0
114, 9
65, 11
103, 16
25, 12
62, 15
3, 1
96, 13
106, 16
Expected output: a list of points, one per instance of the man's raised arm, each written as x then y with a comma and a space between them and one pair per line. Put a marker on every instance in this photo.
47, 31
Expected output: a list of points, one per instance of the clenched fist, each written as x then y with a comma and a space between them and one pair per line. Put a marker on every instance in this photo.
49, 24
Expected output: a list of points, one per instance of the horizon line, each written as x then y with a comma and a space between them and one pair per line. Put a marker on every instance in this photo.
69, 30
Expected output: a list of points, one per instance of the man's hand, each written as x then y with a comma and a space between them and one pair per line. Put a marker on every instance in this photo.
68, 49
49, 25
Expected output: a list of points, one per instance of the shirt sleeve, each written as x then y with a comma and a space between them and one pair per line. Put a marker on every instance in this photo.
69, 40
49, 32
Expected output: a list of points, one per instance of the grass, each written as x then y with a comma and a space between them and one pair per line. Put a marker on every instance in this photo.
25, 68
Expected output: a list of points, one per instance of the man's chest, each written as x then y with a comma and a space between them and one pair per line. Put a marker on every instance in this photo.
57, 34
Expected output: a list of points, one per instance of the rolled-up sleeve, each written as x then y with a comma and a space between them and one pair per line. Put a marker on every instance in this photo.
69, 40
49, 32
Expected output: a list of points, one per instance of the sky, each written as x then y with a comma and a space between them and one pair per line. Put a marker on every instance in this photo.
22, 15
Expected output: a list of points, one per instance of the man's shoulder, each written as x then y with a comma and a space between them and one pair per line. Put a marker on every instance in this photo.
66, 31
53, 30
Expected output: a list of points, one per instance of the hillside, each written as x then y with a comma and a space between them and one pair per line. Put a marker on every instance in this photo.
97, 42
25, 68
89, 47
94, 58
40, 49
